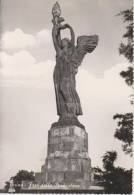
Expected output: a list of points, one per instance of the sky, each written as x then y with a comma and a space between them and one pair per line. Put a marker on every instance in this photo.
27, 103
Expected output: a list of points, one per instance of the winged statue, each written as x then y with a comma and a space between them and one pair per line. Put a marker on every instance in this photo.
68, 58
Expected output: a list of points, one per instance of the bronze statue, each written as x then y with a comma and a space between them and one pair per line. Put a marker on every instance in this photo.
68, 58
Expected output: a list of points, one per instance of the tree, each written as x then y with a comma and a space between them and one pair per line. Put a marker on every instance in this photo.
127, 49
116, 179
109, 159
97, 176
124, 132
22, 175
7, 185
128, 76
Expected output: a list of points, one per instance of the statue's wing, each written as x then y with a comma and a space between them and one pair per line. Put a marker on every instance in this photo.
85, 44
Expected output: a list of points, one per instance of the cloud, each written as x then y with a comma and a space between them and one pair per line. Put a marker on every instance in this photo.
21, 68
43, 36
110, 87
17, 39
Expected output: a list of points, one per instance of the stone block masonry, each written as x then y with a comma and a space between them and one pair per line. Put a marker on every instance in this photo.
67, 159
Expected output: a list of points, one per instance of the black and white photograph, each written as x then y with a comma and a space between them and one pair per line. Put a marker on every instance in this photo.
66, 96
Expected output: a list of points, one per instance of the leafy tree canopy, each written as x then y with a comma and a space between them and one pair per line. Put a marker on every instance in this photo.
124, 132
23, 175
116, 179
128, 76
127, 49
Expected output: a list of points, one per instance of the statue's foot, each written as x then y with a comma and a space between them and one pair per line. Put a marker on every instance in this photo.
68, 120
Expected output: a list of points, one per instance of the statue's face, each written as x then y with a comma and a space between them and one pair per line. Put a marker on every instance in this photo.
65, 43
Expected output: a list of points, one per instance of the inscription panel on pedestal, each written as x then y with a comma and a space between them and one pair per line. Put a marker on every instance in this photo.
72, 139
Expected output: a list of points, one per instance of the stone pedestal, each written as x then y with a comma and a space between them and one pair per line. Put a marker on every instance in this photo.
67, 159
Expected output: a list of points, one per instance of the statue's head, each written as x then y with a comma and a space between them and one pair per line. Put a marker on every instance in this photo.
65, 43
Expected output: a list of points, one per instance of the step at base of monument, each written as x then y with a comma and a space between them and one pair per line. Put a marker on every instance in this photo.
68, 171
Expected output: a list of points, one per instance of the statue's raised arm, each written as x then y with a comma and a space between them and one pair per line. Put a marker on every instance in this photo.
56, 39
57, 27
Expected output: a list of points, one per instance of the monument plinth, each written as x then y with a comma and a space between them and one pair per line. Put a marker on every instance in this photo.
67, 160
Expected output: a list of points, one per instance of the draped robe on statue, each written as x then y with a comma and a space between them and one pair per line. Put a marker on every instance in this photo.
67, 99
